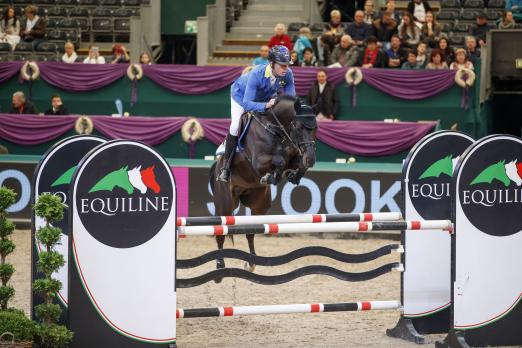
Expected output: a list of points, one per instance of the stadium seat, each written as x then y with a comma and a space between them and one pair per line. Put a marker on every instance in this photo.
448, 14
295, 26
52, 22
121, 25
24, 47
130, 2
462, 27
317, 27
494, 15
469, 14
83, 23
496, 4
79, 12
57, 12
60, 47
88, 2
123, 12
45, 57
101, 25
74, 37
447, 26
101, 12
56, 35
24, 57
457, 39
67, 23
450, 4
66, 2
46, 46
4, 47
111, 2
474, 4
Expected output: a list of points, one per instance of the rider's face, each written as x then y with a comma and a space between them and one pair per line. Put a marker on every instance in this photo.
280, 69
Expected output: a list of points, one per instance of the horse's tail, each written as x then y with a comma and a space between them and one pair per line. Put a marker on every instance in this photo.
212, 176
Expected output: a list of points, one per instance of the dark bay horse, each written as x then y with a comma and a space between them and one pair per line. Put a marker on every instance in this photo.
280, 145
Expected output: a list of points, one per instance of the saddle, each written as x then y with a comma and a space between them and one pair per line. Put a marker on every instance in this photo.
244, 126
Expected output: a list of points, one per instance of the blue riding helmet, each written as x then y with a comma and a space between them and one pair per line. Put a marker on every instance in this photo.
279, 55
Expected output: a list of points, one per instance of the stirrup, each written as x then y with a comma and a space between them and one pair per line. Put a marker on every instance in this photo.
224, 175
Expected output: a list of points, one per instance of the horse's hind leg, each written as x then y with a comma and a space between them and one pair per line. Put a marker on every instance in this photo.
260, 203
220, 262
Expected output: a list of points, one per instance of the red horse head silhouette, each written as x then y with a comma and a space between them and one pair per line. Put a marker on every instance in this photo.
149, 179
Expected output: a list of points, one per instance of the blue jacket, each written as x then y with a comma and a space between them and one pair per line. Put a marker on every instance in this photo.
253, 90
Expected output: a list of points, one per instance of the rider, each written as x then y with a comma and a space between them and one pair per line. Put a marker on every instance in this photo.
256, 91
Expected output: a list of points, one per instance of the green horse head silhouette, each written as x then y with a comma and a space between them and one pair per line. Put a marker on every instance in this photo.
118, 178
494, 171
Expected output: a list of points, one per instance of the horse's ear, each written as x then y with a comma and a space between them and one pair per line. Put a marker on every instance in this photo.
138, 167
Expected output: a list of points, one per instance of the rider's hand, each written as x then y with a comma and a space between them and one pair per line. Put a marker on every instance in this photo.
270, 103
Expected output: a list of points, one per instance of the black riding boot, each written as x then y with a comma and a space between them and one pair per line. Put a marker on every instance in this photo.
230, 148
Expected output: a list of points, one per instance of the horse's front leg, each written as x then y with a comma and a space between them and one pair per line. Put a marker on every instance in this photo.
276, 173
220, 262
259, 206
250, 266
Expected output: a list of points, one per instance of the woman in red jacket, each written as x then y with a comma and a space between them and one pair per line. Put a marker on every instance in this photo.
280, 38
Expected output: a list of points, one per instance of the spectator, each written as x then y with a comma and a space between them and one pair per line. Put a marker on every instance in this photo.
35, 27
472, 51
263, 56
308, 58
345, 54
280, 38
369, 12
480, 29
507, 21
418, 9
119, 54
431, 30
437, 61
422, 54
396, 53
323, 98
461, 60
372, 56
94, 56
21, 105
408, 31
446, 50
331, 36
69, 56
390, 7
57, 107
359, 30
304, 41
145, 59
411, 62
385, 27
10, 27
514, 5
294, 60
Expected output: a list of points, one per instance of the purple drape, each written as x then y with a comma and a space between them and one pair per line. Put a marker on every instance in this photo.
34, 130
81, 77
409, 84
191, 79
150, 130
363, 138
305, 77
8, 70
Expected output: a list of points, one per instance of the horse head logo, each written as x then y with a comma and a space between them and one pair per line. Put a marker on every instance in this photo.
117, 178
135, 179
149, 179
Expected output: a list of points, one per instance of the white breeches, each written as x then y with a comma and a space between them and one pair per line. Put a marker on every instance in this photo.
236, 111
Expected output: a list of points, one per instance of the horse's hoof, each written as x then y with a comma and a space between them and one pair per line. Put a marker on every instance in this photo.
248, 267
218, 280
263, 180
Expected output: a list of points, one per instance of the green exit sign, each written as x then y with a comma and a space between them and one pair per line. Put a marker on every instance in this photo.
518, 63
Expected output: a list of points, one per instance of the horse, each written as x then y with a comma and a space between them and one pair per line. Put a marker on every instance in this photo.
279, 145
149, 179
135, 179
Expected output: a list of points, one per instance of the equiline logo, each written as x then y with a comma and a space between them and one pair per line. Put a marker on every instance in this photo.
124, 186
440, 169
496, 184
65, 178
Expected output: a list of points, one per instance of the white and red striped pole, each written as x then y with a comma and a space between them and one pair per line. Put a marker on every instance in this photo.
285, 219
296, 228
287, 309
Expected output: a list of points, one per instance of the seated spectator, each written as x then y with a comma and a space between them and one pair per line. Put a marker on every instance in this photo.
431, 30
359, 30
390, 7
422, 54
372, 56
308, 58
480, 29
437, 61
145, 59
507, 21
263, 56
57, 107
411, 62
35, 27
345, 54
10, 27
396, 53
385, 27
119, 54
94, 56
369, 12
21, 105
514, 5
461, 60
69, 56
280, 38
418, 9
304, 41
331, 36
408, 31
446, 50
294, 60
472, 51
323, 98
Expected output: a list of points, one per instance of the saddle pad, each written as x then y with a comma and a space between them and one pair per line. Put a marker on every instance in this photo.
245, 125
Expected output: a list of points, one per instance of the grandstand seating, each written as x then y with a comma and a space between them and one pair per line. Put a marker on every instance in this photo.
80, 21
